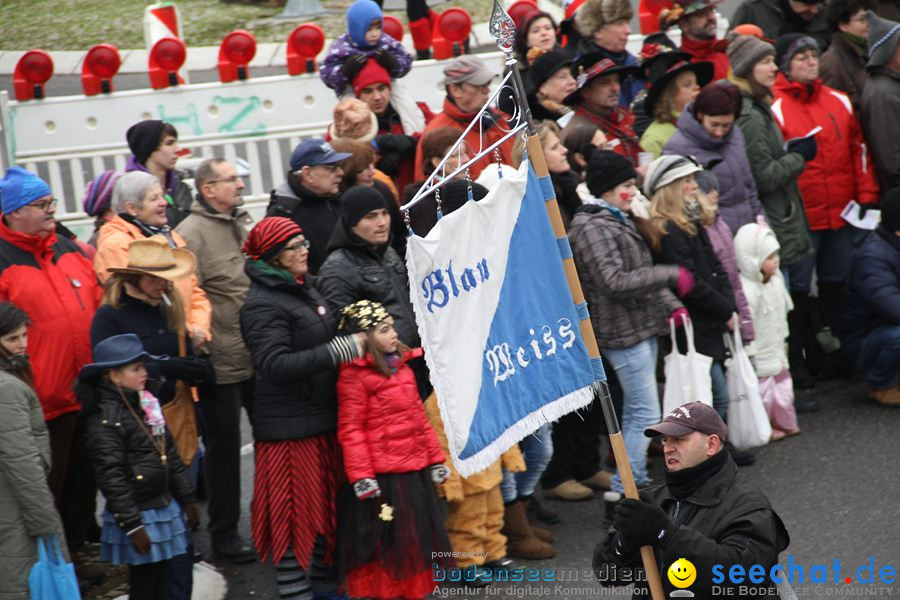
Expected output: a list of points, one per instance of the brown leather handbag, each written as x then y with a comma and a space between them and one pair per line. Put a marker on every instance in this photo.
180, 416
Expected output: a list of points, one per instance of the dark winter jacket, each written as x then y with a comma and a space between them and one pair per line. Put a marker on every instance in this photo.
355, 270
711, 302
842, 169
287, 326
843, 67
316, 216
343, 48
726, 521
727, 158
775, 18
128, 469
873, 288
52, 281
628, 297
148, 323
382, 426
179, 195
775, 172
880, 107
565, 185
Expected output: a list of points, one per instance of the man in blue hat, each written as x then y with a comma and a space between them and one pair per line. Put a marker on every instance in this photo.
310, 195
50, 279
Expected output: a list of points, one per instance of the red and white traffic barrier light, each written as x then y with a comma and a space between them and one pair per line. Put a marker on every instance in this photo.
451, 31
393, 27
237, 50
100, 65
520, 9
166, 57
33, 70
303, 46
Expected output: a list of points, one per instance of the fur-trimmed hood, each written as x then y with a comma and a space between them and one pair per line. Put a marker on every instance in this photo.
594, 14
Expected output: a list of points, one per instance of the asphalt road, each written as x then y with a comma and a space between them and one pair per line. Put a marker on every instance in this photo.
835, 486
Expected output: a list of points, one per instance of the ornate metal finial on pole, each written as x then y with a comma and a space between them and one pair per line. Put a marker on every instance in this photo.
503, 30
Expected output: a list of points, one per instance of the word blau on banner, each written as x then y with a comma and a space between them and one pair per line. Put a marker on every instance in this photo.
497, 321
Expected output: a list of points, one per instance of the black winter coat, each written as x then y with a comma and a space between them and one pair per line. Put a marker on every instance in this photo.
316, 216
711, 302
148, 323
127, 467
287, 327
873, 297
726, 521
355, 271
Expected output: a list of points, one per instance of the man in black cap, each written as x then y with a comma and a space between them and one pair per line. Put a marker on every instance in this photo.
707, 513
155, 150
778, 17
881, 100
362, 265
310, 195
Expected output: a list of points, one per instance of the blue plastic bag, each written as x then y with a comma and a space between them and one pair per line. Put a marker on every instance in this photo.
51, 577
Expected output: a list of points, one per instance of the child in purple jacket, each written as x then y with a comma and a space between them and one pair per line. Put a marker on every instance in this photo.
365, 38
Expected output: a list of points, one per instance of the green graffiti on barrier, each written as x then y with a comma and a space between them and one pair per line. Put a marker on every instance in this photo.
191, 119
246, 106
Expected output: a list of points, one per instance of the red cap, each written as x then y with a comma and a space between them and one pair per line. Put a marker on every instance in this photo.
369, 74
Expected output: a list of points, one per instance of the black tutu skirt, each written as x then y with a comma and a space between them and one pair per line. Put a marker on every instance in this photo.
399, 531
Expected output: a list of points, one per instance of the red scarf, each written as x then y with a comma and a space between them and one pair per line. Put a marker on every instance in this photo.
708, 50
618, 124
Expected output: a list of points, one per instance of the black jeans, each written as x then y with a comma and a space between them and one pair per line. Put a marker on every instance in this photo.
71, 478
576, 439
221, 413
148, 582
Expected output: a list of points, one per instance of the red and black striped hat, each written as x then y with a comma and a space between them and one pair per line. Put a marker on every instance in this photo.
268, 237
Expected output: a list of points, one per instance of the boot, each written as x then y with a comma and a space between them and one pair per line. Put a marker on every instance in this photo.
420, 30
800, 374
539, 512
832, 296
888, 397
520, 539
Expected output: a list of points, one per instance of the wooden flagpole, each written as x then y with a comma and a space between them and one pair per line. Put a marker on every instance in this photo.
502, 29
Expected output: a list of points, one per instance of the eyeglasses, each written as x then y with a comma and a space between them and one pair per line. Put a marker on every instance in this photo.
298, 246
232, 179
46, 206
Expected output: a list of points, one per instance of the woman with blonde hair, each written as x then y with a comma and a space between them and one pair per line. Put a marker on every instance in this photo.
678, 237
565, 180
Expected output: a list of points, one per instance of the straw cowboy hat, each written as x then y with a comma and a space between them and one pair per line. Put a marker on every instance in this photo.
153, 256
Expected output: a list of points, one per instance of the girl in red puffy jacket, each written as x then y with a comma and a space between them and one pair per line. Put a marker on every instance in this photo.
391, 523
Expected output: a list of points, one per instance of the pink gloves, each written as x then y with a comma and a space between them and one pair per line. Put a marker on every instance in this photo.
685, 282
678, 315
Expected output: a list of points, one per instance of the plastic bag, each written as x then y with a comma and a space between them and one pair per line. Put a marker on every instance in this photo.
748, 423
687, 375
51, 577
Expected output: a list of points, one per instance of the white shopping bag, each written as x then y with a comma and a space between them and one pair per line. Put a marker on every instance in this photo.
748, 423
687, 375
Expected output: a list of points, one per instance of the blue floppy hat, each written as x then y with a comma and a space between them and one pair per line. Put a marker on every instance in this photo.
117, 351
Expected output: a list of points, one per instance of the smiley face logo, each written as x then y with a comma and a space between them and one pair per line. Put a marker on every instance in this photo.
682, 573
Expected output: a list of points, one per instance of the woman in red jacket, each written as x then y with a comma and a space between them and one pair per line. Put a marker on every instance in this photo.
392, 523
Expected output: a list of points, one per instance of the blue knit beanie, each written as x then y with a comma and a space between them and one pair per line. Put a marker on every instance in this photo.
19, 188
359, 18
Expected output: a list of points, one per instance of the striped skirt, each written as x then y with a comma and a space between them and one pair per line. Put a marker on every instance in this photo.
295, 492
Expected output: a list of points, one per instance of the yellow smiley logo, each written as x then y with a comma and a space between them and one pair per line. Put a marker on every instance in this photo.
682, 573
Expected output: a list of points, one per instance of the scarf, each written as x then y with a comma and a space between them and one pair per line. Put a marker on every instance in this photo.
150, 230
859, 43
685, 482
137, 294
617, 124
153, 415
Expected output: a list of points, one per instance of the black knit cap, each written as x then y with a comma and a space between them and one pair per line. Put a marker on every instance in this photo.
790, 44
607, 169
144, 138
890, 210
544, 67
359, 201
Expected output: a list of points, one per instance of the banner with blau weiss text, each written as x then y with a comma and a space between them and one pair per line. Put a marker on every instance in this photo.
497, 321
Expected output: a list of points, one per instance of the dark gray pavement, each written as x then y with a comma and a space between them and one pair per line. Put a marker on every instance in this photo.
836, 486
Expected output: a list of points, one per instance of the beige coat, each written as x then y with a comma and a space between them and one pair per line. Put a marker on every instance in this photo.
26, 504
216, 240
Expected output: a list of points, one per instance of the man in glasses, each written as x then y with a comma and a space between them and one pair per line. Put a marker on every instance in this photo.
214, 231
310, 195
54, 283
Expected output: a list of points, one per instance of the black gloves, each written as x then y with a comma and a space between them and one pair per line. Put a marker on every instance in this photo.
353, 65
384, 58
640, 522
805, 147
394, 149
189, 369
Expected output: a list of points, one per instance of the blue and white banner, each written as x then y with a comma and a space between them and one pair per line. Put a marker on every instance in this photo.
498, 323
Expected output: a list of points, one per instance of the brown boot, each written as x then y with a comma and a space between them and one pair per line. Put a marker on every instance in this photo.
542, 534
888, 397
520, 539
